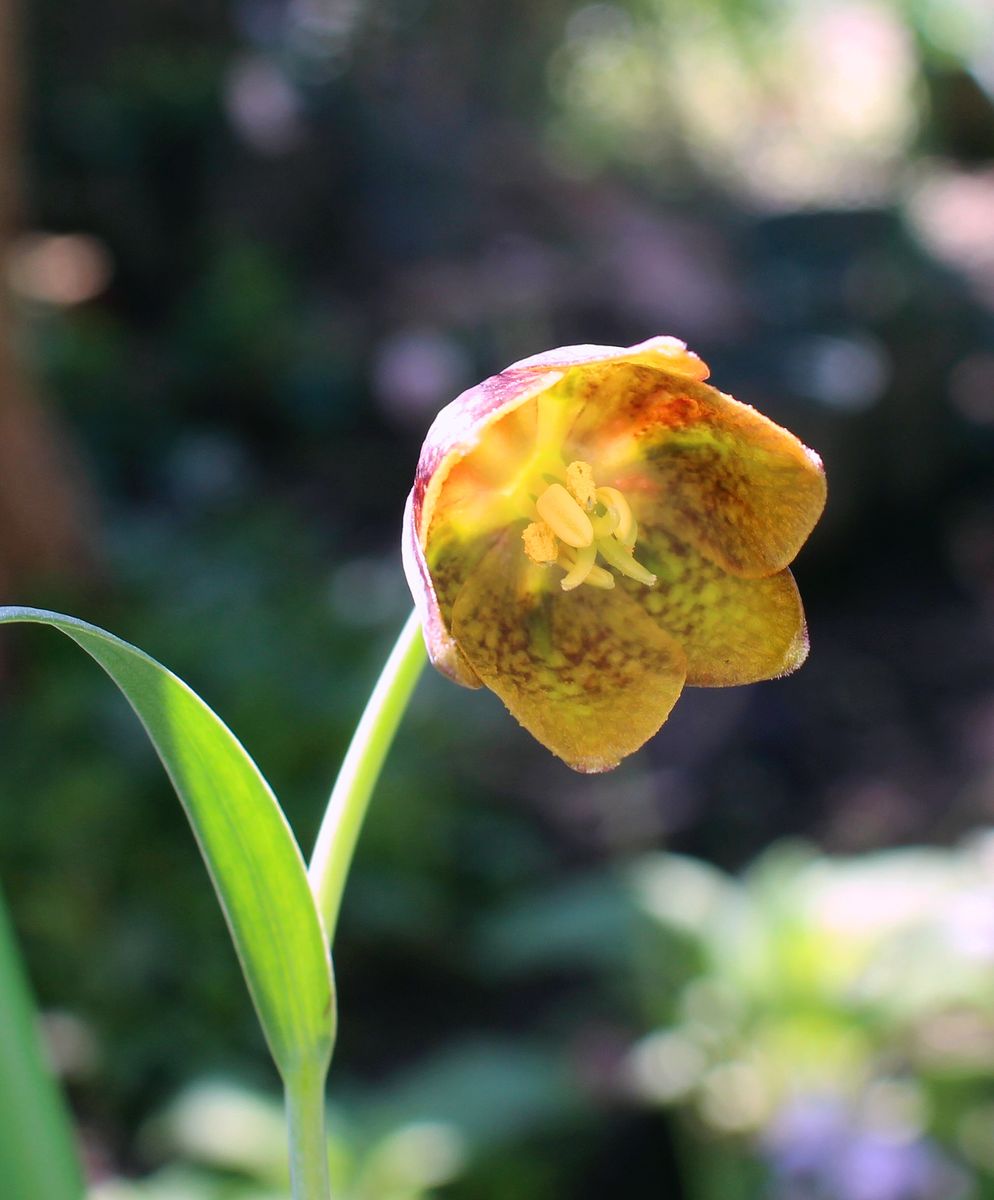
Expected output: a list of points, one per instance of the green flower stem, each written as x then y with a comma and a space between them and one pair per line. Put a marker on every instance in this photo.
308, 1139
328, 870
350, 796
37, 1154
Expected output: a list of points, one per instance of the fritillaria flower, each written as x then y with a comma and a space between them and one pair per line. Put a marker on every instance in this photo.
596, 527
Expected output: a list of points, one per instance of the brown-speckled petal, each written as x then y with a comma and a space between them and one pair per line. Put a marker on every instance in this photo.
455, 433
442, 648
587, 672
696, 462
732, 629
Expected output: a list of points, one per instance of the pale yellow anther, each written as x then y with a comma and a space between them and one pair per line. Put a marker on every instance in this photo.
615, 502
540, 542
568, 520
580, 483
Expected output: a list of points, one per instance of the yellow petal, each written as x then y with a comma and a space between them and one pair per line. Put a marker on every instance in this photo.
452, 560
698, 463
732, 629
586, 672
471, 450
441, 646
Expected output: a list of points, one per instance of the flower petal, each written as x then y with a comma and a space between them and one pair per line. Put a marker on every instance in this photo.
586, 672
732, 629
473, 420
663, 353
445, 655
481, 418
692, 460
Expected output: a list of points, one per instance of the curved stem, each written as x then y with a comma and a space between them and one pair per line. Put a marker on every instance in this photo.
308, 1140
349, 800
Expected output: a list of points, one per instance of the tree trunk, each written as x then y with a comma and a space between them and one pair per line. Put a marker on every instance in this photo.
46, 505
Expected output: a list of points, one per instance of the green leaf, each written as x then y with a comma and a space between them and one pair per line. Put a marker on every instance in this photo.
37, 1156
250, 852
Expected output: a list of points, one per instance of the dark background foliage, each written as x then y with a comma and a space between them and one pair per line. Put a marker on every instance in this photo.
258, 245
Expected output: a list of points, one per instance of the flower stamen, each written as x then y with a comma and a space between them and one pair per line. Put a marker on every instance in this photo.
565, 517
579, 569
599, 578
629, 541
541, 544
579, 521
580, 483
622, 560
615, 502
604, 522
596, 576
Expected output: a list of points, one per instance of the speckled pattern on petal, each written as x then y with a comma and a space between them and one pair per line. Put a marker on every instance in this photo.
733, 630
698, 463
722, 497
587, 673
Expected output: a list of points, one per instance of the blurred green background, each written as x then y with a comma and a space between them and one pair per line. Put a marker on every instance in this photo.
250, 248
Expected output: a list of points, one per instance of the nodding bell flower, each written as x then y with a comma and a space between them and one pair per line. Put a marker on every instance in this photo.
596, 527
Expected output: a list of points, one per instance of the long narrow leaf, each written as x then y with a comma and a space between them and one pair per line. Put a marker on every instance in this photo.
250, 852
37, 1157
